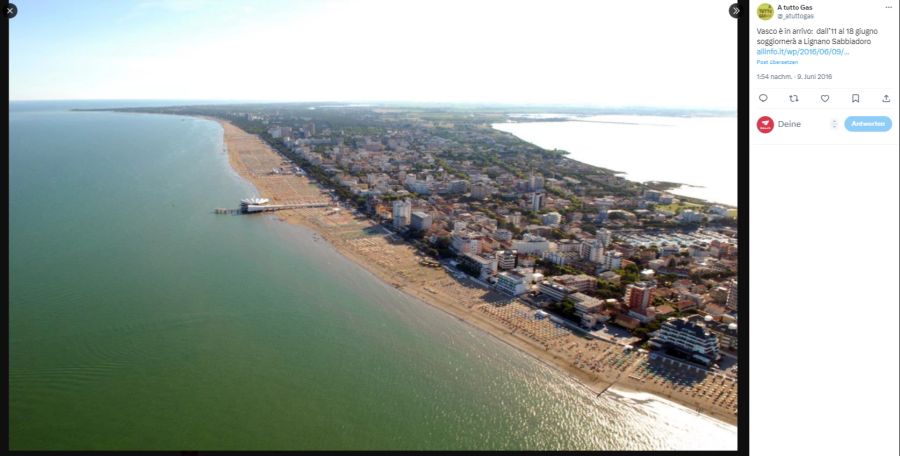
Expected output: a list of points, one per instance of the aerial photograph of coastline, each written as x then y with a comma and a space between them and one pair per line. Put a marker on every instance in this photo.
371, 225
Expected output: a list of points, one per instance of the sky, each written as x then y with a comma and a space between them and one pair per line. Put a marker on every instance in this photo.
656, 53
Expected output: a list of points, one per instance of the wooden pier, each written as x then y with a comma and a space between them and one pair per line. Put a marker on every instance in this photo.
252, 209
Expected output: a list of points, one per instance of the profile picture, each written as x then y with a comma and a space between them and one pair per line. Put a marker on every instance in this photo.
765, 11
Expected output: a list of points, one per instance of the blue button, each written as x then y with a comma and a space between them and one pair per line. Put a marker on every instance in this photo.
868, 123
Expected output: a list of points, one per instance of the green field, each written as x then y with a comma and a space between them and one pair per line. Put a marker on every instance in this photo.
677, 207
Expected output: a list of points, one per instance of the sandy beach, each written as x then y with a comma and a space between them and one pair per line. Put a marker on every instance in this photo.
596, 364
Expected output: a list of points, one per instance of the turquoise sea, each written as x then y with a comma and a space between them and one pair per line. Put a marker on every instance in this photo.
140, 320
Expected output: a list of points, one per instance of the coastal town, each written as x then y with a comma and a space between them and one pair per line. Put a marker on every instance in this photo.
616, 282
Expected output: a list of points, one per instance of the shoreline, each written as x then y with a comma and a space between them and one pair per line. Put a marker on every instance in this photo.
395, 263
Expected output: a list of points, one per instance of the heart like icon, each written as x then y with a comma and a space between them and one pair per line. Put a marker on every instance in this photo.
825, 98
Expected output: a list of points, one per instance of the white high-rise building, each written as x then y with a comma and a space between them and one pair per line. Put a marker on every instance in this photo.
537, 201
421, 221
731, 301
604, 236
531, 244
511, 283
689, 337
536, 183
611, 261
551, 219
506, 259
595, 251
402, 213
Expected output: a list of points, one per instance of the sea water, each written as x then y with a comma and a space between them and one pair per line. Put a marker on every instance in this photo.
138, 319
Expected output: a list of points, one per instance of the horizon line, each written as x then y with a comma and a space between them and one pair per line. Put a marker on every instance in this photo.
377, 102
